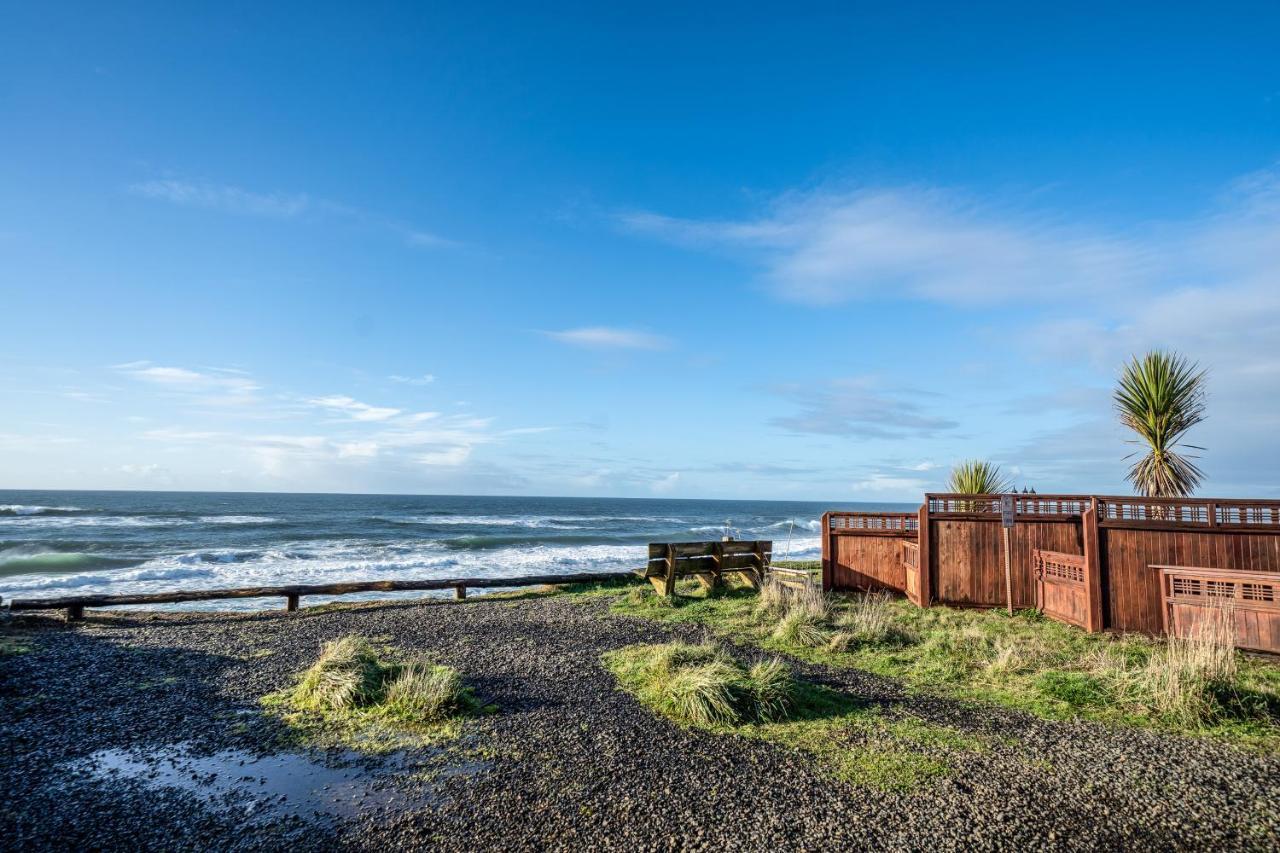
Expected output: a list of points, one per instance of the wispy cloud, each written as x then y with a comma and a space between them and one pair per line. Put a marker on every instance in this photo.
354, 408
424, 379
224, 197
608, 337
855, 406
213, 384
832, 246
228, 198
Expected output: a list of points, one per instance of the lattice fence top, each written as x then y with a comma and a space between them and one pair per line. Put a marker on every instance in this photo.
886, 521
1026, 505
1190, 512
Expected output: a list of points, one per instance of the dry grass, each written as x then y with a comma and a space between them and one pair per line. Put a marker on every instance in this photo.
703, 685
348, 674
426, 692
352, 680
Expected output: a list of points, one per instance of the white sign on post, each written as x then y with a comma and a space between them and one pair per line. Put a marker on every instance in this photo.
1006, 511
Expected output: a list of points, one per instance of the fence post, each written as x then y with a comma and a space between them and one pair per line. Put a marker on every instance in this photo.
290, 603
827, 580
1093, 563
926, 571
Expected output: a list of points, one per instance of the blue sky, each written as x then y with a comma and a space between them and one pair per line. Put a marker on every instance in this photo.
810, 252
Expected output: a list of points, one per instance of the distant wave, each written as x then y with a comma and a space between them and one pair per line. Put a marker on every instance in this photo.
48, 521
237, 519
22, 561
530, 521
22, 509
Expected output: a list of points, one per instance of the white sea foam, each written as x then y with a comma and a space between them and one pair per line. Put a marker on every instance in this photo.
325, 562
22, 509
237, 519
51, 521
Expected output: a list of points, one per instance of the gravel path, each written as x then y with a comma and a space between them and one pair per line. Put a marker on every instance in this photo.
568, 762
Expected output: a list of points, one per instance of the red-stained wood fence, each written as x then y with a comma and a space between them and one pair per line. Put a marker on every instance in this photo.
952, 551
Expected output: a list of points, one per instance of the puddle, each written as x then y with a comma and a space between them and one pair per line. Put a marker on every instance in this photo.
323, 785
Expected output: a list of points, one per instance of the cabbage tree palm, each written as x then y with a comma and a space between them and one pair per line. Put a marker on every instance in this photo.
1160, 397
977, 477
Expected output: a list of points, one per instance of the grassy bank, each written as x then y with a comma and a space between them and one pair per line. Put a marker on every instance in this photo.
705, 687
1022, 661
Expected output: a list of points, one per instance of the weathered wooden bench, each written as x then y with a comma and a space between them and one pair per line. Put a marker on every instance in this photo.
707, 561
1253, 599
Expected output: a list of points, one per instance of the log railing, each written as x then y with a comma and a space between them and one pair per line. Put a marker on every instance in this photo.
75, 605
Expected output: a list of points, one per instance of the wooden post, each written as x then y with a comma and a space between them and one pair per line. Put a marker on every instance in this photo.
1093, 562
717, 557
828, 574
460, 593
290, 603
1008, 571
75, 613
669, 582
926, 569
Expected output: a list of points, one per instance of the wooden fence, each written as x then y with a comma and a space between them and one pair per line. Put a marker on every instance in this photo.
959, 550
74, 605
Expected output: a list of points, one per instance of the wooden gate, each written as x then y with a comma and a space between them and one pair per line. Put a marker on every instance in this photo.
911, 567
1061, 592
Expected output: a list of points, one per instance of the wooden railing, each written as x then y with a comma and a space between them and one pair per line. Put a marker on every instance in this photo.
1188, 512
1250, 600
75, 605
1026, 506
910, 556
872, 522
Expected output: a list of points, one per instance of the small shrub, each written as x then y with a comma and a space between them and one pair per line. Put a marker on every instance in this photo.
351, 688
869, 620
347, 675
772, 689
706, 694
1185, 680
703, 685
426, 692
802, 629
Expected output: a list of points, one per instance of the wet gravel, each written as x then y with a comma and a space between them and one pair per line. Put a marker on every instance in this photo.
568, 762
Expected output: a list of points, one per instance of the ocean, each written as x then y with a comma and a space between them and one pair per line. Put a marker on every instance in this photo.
71, 543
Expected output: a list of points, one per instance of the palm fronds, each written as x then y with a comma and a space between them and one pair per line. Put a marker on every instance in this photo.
977, 477
1161, 396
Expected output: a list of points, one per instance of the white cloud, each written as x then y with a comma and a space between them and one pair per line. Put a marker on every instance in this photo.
236, 200
354, 408
855, 406
424, 379
216, 385
230, 199
665, 484
606, 337
827, 247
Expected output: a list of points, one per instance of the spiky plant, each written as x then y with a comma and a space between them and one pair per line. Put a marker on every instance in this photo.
977, 477
1160, 397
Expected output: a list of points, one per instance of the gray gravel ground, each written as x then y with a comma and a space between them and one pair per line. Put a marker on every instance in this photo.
568, 762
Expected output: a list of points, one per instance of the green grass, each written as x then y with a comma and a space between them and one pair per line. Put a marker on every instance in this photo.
852, 741
360, 696
14, 644
1023, 661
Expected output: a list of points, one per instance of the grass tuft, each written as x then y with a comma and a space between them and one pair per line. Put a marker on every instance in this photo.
348, 674
357, 696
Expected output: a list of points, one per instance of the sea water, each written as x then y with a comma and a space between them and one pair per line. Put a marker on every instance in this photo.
73, 543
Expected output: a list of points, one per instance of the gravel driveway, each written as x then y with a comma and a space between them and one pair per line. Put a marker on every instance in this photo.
143, 731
